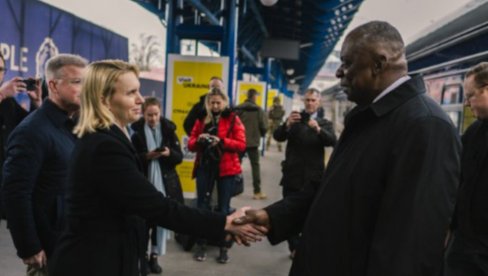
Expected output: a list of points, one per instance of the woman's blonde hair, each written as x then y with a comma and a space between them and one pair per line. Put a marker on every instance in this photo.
214, 92
98, 88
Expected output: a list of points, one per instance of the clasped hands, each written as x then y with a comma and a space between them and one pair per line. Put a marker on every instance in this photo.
247, 225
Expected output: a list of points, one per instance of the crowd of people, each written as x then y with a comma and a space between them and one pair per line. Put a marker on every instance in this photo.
89, 177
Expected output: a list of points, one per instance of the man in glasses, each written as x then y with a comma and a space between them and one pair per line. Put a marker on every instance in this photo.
36, 165
468, 250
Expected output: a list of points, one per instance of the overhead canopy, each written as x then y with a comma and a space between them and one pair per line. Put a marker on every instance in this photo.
313, 27
457, 41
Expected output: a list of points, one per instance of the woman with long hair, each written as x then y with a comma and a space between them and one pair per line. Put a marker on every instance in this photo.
217, 137
109, 199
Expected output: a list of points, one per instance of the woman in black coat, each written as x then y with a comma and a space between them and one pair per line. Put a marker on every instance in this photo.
159, 150
108, 195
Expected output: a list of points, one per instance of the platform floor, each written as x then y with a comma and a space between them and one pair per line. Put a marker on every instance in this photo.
260, 259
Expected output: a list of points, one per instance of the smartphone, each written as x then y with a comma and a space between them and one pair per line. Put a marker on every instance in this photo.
159, 149
30, 84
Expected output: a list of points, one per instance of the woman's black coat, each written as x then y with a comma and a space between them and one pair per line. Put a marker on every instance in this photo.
107, 202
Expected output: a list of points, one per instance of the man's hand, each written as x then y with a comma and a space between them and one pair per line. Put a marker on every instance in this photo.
293, 118
314, 124
12, 87
36, 95
38, 261
244, 233
253, 217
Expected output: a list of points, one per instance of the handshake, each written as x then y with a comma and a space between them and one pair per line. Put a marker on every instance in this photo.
247, 225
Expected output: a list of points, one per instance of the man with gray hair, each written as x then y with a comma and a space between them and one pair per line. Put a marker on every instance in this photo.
35, 168
385, 201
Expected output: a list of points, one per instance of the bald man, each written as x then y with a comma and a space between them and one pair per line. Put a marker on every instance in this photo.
384, 204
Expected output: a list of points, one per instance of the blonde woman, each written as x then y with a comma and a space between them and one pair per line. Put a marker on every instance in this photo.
108, 195
217, 138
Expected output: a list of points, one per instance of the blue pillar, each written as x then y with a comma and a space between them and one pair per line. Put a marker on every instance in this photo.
229, 43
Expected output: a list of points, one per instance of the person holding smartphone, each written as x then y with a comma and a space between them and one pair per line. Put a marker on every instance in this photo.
159, 150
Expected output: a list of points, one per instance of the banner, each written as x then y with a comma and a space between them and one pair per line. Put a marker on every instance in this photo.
32, 32
188, 78
243, 87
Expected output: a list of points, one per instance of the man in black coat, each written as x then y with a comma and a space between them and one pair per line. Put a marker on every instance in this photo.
387, 196
468, 251
307, 135
197, 109
36, 165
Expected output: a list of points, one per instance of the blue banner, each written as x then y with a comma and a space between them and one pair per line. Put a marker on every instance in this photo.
31, 32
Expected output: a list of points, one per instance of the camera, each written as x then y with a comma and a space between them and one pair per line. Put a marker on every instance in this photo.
206, 141
305, 117
30, 84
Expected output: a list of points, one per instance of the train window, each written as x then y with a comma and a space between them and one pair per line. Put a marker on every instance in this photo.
451, 93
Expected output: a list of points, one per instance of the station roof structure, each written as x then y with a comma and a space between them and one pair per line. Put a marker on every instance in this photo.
459, 39
315, 26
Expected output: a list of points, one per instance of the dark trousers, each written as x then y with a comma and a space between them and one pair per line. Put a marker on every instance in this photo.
466, 257
295, 239
253, 154
225, 189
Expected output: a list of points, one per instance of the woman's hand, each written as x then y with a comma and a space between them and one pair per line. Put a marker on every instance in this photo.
154, 155
244, 233
215, 140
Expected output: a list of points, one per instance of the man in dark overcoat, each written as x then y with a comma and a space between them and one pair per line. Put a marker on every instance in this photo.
385, 202
468, 250
307, 135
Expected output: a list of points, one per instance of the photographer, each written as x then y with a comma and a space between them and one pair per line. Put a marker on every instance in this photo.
217, 137
11, 113
307, 135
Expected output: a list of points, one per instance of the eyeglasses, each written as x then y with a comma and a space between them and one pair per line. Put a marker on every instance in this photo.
72, 81
469, 96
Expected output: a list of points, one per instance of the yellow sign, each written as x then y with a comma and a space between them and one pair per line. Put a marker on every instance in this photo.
243, 87
188, 78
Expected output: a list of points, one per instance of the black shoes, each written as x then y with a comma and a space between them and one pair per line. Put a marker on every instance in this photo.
223, 257
153, 265
200, 254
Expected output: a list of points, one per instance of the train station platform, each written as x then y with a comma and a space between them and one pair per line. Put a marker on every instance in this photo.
261, 259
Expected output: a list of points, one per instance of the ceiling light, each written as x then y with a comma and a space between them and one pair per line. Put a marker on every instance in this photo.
290, 71
268, 3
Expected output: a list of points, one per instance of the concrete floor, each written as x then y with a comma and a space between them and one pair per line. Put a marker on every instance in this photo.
260, 259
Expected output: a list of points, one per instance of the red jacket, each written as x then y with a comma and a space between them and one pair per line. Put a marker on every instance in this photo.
232, 144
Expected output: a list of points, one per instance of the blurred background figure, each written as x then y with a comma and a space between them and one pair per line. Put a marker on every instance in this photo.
255, 124
275, 116
159, 150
